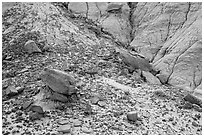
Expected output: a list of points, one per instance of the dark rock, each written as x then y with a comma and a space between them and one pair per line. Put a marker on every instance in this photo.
195, 124
193, 100
37, 109
59, 81
35, 116
187, 105
31, 47
20, 89
58, 97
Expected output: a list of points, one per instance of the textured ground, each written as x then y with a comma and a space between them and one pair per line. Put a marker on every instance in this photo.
159, 107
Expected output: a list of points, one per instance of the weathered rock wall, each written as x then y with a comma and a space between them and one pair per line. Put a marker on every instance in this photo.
168, 34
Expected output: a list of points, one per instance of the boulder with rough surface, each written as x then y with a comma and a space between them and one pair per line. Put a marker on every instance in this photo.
59, 81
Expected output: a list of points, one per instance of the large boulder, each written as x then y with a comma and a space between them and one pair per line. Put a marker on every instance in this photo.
59, 81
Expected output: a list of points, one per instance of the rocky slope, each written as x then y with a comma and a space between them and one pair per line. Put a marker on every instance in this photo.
168, 34
110, 100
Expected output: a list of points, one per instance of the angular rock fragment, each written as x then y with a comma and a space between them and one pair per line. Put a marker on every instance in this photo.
59, 81
151, 78
58, 97
11, 91
64, 129
193, 100
37, 109
31, 47
35, 116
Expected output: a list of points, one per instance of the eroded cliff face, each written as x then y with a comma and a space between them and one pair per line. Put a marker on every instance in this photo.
168, 34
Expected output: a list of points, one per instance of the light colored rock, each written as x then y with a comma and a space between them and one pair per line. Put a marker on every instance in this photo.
31, 47
151, 78
94, 100
64, 129
198, 92
163, 78
63, 121
59, 81
86, 130
77, 123
102, 103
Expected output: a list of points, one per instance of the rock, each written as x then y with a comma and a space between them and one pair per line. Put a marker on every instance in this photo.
151, 78
77, 122
95, 100
63, 121
20, 89
193, 100
187, 105
198, 92
114, 8
86, 130
24, 70
11, 91
8, 58
58, 97
26, 104
163, 78
133, 116
134, 62
195, 124
37, 109
31, 47
59, 81
64, 129
35, 116
102, 103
